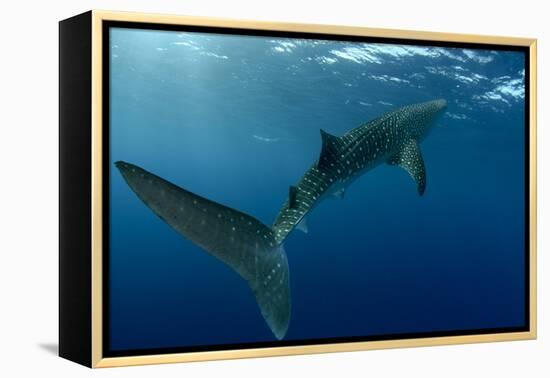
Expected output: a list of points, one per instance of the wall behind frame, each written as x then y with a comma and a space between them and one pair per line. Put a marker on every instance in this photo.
75, 86
28, 159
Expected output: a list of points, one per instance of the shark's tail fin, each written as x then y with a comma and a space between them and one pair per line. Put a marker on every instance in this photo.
237, 239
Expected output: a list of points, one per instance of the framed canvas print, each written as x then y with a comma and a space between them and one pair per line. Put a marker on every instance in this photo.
236, 189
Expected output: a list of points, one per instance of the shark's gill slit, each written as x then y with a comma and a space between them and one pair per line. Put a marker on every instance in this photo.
255, 251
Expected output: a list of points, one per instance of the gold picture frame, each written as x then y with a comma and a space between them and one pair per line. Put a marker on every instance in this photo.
89, 328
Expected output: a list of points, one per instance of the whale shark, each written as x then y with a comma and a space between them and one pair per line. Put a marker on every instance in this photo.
392, 138
254, 250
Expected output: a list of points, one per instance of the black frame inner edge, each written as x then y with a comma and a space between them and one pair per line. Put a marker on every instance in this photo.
106, 25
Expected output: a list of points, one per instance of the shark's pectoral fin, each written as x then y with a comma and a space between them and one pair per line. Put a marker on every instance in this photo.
340, 193
242, 242
302, 226
411, 160
330, 150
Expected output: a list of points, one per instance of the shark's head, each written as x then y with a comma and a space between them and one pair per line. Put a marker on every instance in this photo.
421, 117
438, 105
431, 109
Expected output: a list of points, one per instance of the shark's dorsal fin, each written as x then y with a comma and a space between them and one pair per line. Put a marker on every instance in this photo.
410, 159
330, 149
292, 191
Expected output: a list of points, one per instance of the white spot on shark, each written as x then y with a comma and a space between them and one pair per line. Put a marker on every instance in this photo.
265, 139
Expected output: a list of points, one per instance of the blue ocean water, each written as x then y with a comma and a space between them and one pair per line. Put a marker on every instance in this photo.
236, 119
